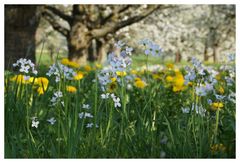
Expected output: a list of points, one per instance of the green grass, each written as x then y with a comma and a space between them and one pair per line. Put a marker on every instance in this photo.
149, 124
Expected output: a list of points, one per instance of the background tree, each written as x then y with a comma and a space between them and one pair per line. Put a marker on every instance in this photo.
94, 24
21, 22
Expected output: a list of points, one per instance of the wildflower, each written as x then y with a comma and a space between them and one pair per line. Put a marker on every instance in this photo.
71, 89
85, 115
87, 68
26, 66
35, 123
98, 66
218, 148
133, 72
67, 62
56, 97
221, 90
201, 91
119, 73
42, 83
170, 66
105, 96
169, 78
117, 102
129, 50
140, 84
52, 120
178, 82
217, 106
85, 106
78, 76
112, 86
20, 79
89, 125
113, 79
61, 71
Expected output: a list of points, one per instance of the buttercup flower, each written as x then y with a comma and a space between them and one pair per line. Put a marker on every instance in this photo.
71, 89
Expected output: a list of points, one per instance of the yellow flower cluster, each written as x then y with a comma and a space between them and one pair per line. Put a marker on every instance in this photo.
139, 83
176, 81
71, 89
217, 106
67, 62
121, 73
218, 148
20, 79
79, 75
42, 84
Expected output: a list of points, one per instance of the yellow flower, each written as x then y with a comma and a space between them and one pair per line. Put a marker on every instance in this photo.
113, 79
121, 73
221, 90
137, 79
78, 76
133, 72
42, 84
112, 86
217, 106
71, 89
40, 90
87, 68
20, 79
218, 77
41, 81
98, 66
140, 84
156, 76
190, 84
178, 82
218, 148
67, 62
170, 66
169, 79
73, 64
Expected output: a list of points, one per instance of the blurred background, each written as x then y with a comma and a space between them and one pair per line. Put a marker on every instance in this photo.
87, 33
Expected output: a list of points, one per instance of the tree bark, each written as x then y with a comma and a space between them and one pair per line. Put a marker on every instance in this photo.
21, 22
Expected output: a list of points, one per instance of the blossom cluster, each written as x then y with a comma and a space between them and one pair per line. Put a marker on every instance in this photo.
25, 66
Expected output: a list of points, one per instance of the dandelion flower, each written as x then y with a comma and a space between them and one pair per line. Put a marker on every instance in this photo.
121, 73
71, 89
140, 84
78, 76
217, 106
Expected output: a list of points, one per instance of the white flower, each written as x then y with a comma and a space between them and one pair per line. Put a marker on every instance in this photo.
89, 125
201, 91
35, 123
85, 115
105, 96
117, 102
52, 120
86, 106
185, 110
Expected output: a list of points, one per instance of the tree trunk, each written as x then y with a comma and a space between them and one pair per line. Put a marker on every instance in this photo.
21, 22
178, 57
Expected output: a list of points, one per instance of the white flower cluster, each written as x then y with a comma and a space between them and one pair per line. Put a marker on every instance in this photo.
35, 122
52, 120
202, 90
151, 47
25, 66
197, 108
84, 115
59, 70
115, 99
57, 98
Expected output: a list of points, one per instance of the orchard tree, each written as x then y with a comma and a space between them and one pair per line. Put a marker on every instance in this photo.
88, 24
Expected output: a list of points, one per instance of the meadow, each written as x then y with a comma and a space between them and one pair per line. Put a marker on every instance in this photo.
120, 110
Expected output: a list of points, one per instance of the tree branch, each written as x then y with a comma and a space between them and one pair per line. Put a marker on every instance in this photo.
59, 13
114, 26
53, 22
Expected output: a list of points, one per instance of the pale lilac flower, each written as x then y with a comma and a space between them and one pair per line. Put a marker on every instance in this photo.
86, 106
35, 123
52, 120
